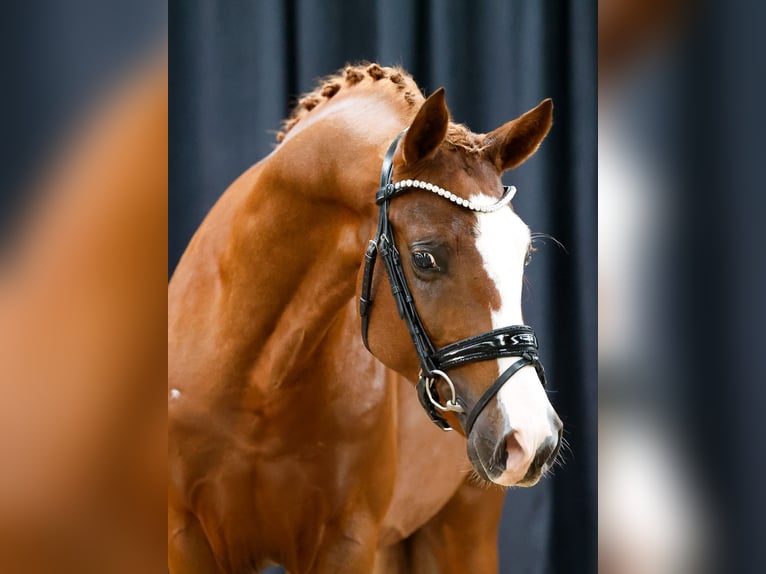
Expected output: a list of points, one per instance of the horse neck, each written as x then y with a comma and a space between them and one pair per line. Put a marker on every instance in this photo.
336, 152
298, 225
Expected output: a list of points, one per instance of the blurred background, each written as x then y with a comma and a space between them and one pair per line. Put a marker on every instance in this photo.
236, 68
58, 61
681, 214
681, 279
83, 268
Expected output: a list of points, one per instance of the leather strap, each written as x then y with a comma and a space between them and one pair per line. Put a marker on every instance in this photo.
511, 341
365, 299
492, 391
406, 304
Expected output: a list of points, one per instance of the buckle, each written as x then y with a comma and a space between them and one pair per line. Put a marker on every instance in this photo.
385, 193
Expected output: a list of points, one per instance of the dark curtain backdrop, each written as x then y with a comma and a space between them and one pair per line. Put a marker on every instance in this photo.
237, 66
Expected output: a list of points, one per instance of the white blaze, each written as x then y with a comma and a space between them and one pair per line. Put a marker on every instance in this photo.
502, 242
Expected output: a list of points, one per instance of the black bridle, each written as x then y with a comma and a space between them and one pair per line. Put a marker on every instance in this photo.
512, 341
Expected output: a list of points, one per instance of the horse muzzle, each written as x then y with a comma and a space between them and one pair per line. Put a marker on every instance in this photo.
518, 457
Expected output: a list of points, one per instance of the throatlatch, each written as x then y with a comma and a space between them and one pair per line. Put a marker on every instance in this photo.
512, 341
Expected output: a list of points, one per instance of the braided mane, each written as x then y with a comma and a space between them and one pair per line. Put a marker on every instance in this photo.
367, 74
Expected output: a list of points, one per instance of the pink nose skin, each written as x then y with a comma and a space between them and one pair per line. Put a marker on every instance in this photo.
521, 459
513, 455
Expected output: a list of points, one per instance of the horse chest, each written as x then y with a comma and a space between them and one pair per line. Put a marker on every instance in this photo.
431, 466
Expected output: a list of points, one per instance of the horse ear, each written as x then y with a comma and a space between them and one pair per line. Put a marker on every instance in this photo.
510, 144
428, 129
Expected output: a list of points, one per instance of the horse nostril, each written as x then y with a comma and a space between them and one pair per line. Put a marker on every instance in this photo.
501, 456
509, 452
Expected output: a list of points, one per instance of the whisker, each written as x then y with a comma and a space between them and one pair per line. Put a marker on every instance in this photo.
561, 458
476, 480
541, 236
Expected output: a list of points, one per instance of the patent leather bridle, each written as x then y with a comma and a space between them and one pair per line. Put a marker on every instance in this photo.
513, 341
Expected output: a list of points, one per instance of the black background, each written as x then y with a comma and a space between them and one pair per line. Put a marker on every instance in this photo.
236, 67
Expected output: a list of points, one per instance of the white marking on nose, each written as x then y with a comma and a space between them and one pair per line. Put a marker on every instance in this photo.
502, 242
175, 394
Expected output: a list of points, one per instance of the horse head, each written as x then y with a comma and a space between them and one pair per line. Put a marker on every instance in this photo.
461, 250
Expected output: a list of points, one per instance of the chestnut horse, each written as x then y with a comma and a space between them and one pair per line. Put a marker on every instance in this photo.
289, 442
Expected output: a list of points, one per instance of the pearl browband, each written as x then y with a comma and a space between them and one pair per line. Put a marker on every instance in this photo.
393, 189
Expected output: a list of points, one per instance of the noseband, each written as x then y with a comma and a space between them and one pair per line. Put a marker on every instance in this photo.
512, 341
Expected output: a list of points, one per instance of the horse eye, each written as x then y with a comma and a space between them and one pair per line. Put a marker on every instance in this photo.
423, 260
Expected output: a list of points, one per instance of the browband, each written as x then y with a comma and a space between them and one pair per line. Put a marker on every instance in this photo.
512, 341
